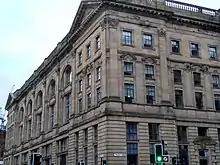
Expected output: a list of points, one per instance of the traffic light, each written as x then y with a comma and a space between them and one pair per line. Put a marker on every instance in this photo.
166, 158
158, 153
104, 162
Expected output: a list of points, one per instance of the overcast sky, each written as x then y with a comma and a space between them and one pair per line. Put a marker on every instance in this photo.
30, 30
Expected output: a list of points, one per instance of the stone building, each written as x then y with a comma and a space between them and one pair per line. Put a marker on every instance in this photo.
128, 74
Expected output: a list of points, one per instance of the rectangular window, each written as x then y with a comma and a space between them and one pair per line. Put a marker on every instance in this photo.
183, 154
95, 130
86, 155
51, 116
98, 43
68, 105
197, 79
150, 94
131, 131
88, 51
217, 102
199, 100
80, 85
86, 136
80, 58
153, 131
177, 76
175, 46
194, 50
212, 52
202, 131
29, 129
98, 73
132, 153
96, 158
179, 98
89, 80
126, 37
39, 123
128, 68
89, 100
215, 81
182, 134
77, 147
147, 41
98, 94
129, 93
80, 105
149, 71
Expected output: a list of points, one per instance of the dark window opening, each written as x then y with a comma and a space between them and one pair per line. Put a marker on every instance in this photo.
153, 131
197, 79
127, 38
182, 134
217, 102
129, 93
194, 50
177, 77
175, 46
202, 131
199, 100
128, 68
215, 81
147, 41
212, 52
179, 98
149, 71
150, 94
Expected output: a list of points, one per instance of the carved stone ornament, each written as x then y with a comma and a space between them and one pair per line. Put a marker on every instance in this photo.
205, 69
187, 67
128, 57
197, 67
58, 69
44, 82
161, 32
149, 60
73, 53
89, 68
110, 22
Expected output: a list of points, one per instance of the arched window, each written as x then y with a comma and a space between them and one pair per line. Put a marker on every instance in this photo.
67, 77
39, 99
30, 107
52, 88
21, 113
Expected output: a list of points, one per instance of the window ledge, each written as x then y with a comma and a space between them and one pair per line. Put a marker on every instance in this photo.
128, 45
149, 48
175, 53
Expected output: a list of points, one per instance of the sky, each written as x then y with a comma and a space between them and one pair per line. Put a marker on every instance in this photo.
30, 30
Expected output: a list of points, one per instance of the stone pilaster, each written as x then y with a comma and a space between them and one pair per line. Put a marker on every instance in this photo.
144, 150
57, 89
188, 86
90, 146
165, 96
71, 148
193, 154
208, 91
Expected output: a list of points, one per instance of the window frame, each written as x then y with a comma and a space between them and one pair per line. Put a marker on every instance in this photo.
128, 68
147, 93
182, 98
123, 37
128, 91
171, 45
216, 52
151, 40
191, 49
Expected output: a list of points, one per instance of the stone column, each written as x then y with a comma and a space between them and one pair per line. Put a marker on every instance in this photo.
165, 98
208, 91
188, 88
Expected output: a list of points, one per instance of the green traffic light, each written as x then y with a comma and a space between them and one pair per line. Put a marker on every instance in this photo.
159, 158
